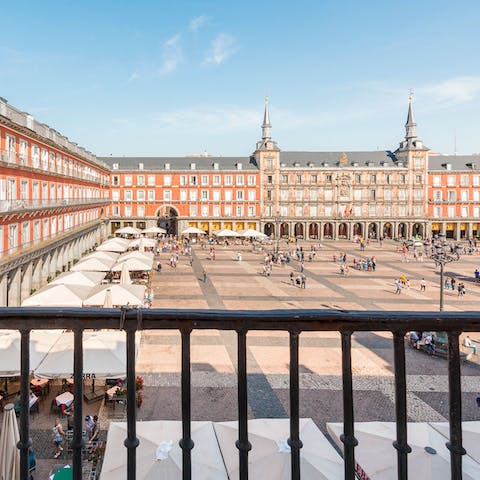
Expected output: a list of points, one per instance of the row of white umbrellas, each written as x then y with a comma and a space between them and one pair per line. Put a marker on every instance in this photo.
429, 459
137, 231
250, 233
215, 455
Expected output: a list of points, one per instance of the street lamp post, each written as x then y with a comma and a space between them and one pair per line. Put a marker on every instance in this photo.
276, 220
441, 253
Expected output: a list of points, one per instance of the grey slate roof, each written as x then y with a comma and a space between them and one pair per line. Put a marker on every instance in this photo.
180, 163
317, 159
458, 162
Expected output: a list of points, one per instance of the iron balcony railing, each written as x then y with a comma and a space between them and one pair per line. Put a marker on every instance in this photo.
39, 203
292, 321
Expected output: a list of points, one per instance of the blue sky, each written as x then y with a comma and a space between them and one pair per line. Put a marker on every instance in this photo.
174, 78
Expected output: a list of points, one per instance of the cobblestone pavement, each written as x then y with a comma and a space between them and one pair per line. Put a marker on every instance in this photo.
240, 285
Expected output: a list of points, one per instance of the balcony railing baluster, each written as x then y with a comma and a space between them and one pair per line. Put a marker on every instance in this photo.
186, 443
25, 442
455, 406
403, 449
348, 437
294, 440
131, 442
243, 445
77, 440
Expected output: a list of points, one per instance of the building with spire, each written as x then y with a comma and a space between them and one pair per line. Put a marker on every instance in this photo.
58, 200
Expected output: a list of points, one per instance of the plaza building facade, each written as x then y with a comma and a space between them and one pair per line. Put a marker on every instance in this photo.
54, 203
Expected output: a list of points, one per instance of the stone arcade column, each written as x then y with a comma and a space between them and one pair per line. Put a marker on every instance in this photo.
37, 274
3, 290
14, 281
26, 282
45, 261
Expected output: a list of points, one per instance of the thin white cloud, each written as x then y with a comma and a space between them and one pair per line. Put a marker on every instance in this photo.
198, 22
453, 91
222, 48
133, 77
171, 54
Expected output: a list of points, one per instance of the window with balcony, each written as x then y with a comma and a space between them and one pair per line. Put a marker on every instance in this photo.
283, 211
115, 210
240, 195
418, 179
228, 210
204, 195
252, 180
451, 181
476, 180
298, 211
452, 195
328, 178
140, 211
357, 210
417, 210
464, 212
388, 179
437, 195
284, 178
298, 195
476, 212
313, 193
216, 210
437, 181
387, 210
128, 210
183, 180
328, 195
269, 179
216, 195
464, 195
358, 178
193, 210
193, 180
313, 178
451, 211
372, 210
402, 179
328, 210
216, 180
402, 210
373, 178
204, 179
402, 194
387, 195
372, 194
151, 180
298, 178
151, 195
167, 195
13, 236
357, 194
167, 180
437, 212
228, 195
418, 194
193, 195
240, 180
464, 181
252, 195
228, 180
284, 195
183, 195
127, 195
239, 211
128, 180
313, 210
141, 195
115, 195
251, 211
24, 190
35, 156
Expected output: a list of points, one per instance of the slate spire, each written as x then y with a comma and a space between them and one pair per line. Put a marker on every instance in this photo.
266, 126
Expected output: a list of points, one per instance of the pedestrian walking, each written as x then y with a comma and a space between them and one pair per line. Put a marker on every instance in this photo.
292, 276
423, 285
304, 281
58, 435
398, 286
204, 273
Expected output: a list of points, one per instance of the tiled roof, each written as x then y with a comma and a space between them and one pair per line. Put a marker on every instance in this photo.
180, 163
457, 162
375, 158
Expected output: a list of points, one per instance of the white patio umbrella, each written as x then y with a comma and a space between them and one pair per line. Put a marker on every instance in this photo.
114, 245
160, 456
9, 453
270, 455
143, 242
58, 296
93, 265
191, 230
102, 255
41, 341
103, 355
470, 436
108, 303
125, 275
226, 233
376, 456
128, 231
142, 256
134, 265
154, 230
88, 279
132, 295
253, 234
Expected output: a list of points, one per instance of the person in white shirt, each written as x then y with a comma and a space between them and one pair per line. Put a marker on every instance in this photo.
468, 344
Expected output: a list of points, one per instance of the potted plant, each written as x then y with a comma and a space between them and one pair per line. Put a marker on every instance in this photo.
139, 382
139, 399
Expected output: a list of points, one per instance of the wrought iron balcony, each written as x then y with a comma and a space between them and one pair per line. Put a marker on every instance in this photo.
38, 203
292, 321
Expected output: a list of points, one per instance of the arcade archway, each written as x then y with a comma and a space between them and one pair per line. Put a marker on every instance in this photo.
299, 230
328, 230
268, 229
372, 230
313, 230
387, 230
167, 218
284, 230
402, 230
417, 230
357, 229
342, 230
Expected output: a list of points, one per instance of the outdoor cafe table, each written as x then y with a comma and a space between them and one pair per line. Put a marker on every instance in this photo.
65, 399
40, 383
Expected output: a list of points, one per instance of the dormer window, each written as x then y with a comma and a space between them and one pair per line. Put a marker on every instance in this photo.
400, 164
115, 166
239, 166
215, 166
167, 166
296, 164
355, 164
448, 166
192, 166
310, 164
140, 166
370, 164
